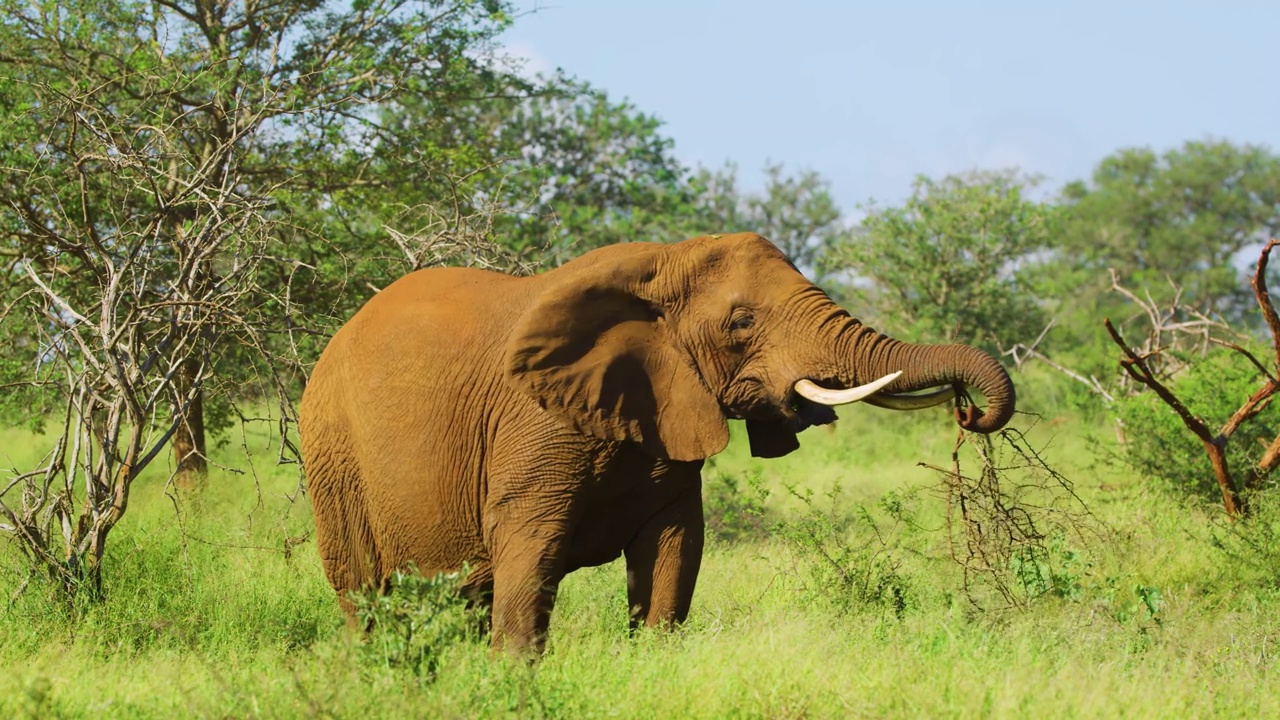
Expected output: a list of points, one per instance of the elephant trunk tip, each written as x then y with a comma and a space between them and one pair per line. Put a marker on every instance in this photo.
972, 419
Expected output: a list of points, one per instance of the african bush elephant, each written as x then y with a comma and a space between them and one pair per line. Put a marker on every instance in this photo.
530, 426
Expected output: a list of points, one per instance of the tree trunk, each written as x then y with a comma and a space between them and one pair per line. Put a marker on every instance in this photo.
188, 439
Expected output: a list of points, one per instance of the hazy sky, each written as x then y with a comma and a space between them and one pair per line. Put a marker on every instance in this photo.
870, 94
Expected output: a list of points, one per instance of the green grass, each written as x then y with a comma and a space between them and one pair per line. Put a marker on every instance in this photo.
205, 615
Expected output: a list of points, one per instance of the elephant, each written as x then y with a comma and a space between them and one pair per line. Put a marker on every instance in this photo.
530, 426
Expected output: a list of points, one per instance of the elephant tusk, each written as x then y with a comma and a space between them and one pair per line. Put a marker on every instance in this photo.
913, 402
826, 396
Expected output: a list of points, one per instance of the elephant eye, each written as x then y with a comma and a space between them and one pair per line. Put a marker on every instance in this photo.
741, 321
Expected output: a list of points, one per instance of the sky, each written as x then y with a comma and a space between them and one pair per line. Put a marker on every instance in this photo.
872, 94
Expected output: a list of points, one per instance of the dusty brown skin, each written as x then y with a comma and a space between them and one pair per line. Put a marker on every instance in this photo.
533, 426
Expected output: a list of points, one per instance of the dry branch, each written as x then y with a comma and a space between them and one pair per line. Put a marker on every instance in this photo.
1003, 522
1020, 353
1139, 364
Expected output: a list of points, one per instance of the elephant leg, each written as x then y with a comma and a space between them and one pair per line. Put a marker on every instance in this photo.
663, 562
477, 589
344, 535
527, 569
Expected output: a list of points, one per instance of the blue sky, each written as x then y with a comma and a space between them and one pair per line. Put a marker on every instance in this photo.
870, 94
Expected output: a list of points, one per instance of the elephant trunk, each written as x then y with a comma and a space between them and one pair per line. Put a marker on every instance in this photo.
872, 355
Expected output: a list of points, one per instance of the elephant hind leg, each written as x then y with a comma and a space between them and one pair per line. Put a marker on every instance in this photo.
344, 536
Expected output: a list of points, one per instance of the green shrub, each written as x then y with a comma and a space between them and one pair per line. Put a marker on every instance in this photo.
1252, 543
417, 620
734, 513
851, 559
1160, 447
1053, 568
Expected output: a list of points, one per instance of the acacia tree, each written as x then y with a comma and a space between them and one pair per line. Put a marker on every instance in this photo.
1173, 219
795, 211
279, 98
113, 357
589, 171
153, 153
957, 259
576, 170
1171, 226
573, 168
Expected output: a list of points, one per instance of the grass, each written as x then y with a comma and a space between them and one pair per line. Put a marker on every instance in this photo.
208, 617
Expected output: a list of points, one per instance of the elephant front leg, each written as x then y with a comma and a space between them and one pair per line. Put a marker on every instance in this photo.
663, 562
527, 570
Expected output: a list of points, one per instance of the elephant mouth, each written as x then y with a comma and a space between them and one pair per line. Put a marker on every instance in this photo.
804, 413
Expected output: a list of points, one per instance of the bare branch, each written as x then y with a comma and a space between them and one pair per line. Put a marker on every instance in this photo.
1263, 295
1021, 353
66, 307
1138, 368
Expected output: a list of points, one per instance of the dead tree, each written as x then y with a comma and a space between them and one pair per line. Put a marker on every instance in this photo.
1143, 365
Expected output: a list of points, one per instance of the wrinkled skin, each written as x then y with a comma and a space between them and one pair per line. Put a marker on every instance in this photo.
533, 426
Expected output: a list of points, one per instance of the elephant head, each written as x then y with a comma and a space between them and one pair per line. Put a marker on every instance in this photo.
660, 344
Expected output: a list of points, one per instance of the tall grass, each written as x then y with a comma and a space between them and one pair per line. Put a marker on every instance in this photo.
206, 615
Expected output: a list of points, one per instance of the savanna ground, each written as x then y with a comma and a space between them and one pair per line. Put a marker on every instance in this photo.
1159, 611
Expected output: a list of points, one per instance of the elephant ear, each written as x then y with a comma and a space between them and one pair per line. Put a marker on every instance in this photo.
598, 350
770, 438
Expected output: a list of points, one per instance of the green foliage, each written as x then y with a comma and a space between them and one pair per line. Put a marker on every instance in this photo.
1151, 599
1168, 223
796, 212
417, 620
1160, 447
1054, 568
733, 513
953, 262
178, 183
1253, 542
37, 701
23, 398
1179, 216
584, 171
208, 617
849, 558
218, 583
572, 169
124, 118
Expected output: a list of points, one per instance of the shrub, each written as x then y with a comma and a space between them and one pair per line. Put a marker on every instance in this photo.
1253, 543
1050, 568
851, 560
1158, 444
417, 620
734, 513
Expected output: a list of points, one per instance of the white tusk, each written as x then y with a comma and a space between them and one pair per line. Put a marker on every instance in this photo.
825, 396
913, 402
